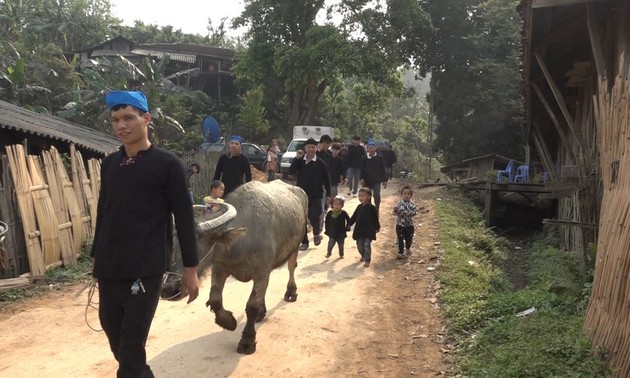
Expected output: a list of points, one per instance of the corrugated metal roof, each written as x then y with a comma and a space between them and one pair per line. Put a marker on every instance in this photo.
189, 48
111, 53
16, 118
180, 57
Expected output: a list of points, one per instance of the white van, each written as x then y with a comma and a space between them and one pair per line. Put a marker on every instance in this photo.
300, 135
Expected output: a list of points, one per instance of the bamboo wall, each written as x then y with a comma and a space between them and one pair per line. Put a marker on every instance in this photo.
49, 212
574, 166
607, 320
581, 152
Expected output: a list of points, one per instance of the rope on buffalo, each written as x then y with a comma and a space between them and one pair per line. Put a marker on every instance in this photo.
168, 273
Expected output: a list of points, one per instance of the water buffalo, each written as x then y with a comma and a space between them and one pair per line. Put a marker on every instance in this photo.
264, 234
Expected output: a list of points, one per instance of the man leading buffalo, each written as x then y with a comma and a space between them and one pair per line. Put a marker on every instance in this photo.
142, 188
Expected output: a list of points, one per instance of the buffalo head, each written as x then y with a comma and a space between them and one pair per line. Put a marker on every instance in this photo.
212, 229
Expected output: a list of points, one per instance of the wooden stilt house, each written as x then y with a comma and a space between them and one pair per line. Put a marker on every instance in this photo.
576, 72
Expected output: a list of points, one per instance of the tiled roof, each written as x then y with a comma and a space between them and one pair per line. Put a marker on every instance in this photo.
13, 117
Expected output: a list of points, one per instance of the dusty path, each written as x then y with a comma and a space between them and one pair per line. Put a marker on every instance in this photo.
347, 321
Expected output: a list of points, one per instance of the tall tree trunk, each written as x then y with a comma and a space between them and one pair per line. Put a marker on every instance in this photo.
304, 102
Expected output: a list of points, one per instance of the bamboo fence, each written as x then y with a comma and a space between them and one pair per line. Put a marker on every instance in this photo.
200, 183
607, 321
54, 223
22, 182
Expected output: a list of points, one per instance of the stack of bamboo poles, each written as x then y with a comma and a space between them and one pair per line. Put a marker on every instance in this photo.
50, 206
79, 189
65, 202
45, 213
90, 199
22, 182
607, 320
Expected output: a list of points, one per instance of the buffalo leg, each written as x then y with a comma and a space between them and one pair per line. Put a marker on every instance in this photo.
262, 309
291, 294
255, 305
223, 317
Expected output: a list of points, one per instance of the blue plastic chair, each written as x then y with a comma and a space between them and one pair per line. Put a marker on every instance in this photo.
522, 174
507, 172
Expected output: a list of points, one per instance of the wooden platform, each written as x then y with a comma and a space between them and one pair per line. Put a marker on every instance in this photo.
492, 190
550, 190
505, 187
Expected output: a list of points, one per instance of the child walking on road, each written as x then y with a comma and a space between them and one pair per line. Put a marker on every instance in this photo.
365, 219
405, 209
336, 223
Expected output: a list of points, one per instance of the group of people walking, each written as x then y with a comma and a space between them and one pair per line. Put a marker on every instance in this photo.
143, 188
320, 170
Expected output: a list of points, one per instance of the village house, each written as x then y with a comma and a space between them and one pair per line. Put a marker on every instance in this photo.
213, 74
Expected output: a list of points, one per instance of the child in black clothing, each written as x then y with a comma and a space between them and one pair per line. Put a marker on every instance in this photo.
336, 223
367, 225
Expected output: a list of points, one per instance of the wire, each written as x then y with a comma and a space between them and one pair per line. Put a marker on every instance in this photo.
90, 304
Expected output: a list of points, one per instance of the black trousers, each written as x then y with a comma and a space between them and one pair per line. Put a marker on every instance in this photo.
405, 236
331, 245
314, 212
126, 319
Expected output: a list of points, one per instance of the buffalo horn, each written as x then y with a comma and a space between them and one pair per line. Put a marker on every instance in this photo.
227, 212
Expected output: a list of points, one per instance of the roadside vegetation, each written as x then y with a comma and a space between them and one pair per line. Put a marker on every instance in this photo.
535, 331
55, 279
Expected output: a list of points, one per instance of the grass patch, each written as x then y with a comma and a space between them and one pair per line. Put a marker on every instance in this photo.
55, 278
481, 304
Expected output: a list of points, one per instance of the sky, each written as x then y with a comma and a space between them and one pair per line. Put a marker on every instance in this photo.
191, 16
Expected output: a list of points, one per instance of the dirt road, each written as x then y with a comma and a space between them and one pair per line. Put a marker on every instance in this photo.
348, 320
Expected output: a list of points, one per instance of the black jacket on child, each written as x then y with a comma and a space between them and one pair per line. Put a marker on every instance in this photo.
336, 226
365, 219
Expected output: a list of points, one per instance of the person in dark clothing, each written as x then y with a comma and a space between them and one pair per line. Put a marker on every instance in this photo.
389, 158
336, 168
312, 175
356, 153
343, 154
367, 225
232, 166
142, 188
324, 154
373, 173
336, 223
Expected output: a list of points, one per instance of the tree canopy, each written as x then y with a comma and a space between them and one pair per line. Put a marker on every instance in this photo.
296, 58
304, 62
474, 60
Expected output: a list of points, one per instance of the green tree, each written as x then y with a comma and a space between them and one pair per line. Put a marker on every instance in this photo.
474, 60
295, 57
149, 76
14, 87
15, 16
252, 114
